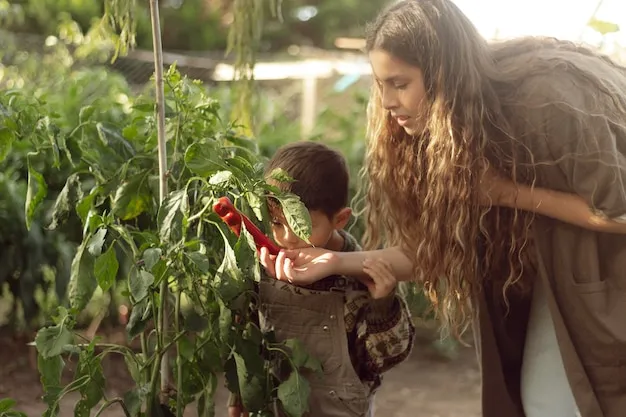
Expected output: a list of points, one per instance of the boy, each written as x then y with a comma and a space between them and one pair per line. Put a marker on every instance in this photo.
356, 332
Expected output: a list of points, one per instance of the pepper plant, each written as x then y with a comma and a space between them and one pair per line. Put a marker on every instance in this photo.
143, 189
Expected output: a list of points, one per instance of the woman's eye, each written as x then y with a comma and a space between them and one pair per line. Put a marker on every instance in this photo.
400, 86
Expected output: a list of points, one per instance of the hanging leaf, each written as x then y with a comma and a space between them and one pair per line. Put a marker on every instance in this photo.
246, 255
115, 141
200, 260
221, 178
204, 159
140, 314
150, 257
206, 403
139, 283
50, 371
171, 214
229, 281
95, 243
85, 204
82, 280
280, 175
134, 398
106, 267
300, 357
6, 142
250, 370
50, 341
36, 191
67, 198
132, 198
294, 393
297, 215
92, 390
259, 209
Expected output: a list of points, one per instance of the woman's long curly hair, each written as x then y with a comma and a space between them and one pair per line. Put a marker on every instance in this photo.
422, 191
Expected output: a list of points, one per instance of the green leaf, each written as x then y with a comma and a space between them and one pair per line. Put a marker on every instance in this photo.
89, 367
134, 398
242, 165
244, 142
106, 267
602, 26
85, 204
206, 403
6, 142
139, 283
51, 340
225, 325
139, 316
94, 246
249, 373
150, 257
6, 404
228, 281
259, 209
67, 198
297, 216
200, 260
132, 365
300, 357
132, 198
186, 348
50, 371
204, 159
280, 175
36, 191
220, 178
85, 113
115, 141
294, 393
171, 215
246, 255
83, 282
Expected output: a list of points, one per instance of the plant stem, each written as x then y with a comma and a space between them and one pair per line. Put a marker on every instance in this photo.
110, 403
162, 323
179, 362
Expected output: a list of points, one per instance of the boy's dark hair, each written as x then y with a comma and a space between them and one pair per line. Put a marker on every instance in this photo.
320, 173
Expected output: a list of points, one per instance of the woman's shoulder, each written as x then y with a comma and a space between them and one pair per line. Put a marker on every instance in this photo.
560, 73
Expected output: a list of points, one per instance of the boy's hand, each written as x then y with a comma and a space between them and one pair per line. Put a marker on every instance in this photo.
383, 281
237, 411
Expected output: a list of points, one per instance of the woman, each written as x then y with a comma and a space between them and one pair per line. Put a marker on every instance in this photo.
496, 177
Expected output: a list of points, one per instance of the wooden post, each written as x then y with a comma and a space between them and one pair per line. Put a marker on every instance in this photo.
308, 105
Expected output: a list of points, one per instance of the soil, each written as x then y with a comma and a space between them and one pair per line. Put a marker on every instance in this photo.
428, 384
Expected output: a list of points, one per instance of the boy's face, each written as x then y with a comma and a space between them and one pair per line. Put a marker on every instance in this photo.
322, 228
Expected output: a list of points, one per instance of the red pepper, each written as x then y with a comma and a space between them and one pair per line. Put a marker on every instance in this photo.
232, 217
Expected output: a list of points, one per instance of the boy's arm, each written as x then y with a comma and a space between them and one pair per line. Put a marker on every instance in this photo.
383, 336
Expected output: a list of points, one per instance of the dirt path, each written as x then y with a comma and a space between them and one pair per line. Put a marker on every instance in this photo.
425, 385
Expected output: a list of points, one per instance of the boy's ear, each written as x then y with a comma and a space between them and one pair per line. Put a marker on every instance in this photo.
342, 218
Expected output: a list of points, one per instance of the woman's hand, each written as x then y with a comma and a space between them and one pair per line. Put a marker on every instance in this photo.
300, 266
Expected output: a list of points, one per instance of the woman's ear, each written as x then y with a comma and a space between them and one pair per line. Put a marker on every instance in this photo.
342, 217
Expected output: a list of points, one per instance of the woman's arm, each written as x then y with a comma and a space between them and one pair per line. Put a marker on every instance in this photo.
351, 263
566, 207
305, 266
569, 208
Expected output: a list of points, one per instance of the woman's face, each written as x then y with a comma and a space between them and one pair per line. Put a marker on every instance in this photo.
402, 89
